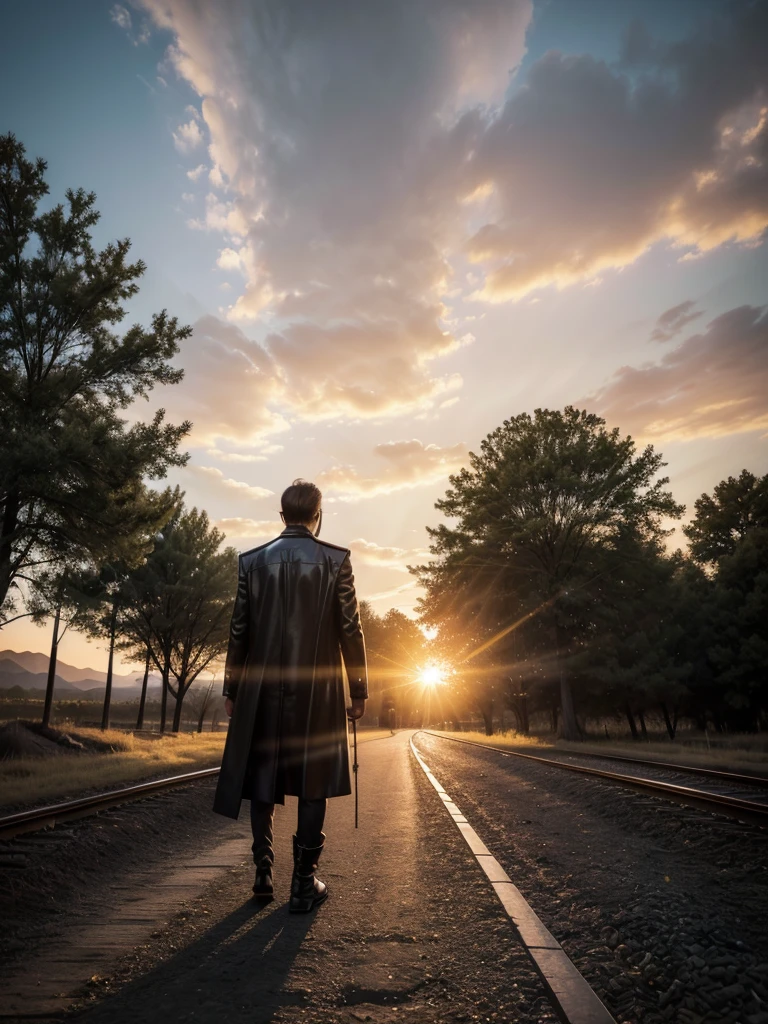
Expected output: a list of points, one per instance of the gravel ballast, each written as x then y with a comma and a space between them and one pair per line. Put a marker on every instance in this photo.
663, 908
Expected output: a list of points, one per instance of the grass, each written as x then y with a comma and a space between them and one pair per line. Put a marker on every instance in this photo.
745, 753
133, 758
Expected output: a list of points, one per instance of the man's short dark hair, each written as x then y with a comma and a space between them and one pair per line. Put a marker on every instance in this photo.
301, 502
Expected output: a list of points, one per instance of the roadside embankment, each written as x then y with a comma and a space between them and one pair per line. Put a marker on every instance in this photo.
747, 756
62, 764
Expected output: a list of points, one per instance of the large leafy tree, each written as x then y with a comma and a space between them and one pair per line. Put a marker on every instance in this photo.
737, 507
635, 660
71, 469
729, 540
545, 493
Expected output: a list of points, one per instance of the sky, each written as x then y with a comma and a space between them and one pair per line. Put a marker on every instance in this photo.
394, 225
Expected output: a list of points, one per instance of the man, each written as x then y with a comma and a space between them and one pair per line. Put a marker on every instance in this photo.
295, 617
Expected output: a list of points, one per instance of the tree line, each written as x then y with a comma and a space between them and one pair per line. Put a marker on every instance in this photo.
552, 589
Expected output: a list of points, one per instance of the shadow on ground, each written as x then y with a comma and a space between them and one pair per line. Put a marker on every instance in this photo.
236, 971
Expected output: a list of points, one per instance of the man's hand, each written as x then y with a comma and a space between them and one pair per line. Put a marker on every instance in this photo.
229, 706
356, 712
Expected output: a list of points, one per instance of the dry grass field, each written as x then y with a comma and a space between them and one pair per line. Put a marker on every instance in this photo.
743, 753
133, 758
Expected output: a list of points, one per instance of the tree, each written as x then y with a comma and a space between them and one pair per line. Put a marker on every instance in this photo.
143, 698
66, 597
71, 470
543, 494
729, 540
738, 647
394, 647
738, 506
633, 663
103, 596
201, 699
181, 603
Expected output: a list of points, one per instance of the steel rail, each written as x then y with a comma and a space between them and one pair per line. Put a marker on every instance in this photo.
734, 807
42, 817
713, 773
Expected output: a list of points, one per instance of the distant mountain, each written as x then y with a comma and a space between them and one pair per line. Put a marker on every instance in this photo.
11, 667
14, 673
64, 693
81, 678
33, 680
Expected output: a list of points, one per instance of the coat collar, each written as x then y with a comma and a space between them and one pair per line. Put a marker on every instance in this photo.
295, 530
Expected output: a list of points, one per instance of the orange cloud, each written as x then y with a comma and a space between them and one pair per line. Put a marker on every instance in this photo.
589, 165
713, 383
238, 488
370, 553
257, 530
231, 387
406, 464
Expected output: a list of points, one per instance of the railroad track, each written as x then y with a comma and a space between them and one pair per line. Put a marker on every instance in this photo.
754, 812
43, 817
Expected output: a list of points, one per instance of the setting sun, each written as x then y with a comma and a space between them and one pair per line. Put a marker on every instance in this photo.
432, 675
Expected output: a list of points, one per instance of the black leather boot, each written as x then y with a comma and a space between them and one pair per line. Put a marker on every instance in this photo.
263, 888
307, 892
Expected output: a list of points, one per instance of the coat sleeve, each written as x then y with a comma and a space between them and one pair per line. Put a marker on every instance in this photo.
237, 651
351, 632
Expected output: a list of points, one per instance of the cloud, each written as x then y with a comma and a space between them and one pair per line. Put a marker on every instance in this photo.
214, 453
674, 320
249, 529
121, 16
231, 387
370, 553
336, 149
406, 464
188, 136
197, 172
714, 383
589, 165
356, 159
383, 595
262, 450
220, 216
215, 476
228, 259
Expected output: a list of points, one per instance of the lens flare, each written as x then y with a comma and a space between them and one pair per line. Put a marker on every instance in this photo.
432, 675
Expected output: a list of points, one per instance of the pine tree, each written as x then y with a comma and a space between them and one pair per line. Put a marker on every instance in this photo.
72, 471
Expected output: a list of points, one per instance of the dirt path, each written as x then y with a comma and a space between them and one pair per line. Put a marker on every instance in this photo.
411, 929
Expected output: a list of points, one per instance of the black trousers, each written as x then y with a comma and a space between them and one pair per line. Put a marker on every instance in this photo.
309, 830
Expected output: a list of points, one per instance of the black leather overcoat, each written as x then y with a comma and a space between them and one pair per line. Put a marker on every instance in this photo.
295, 617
